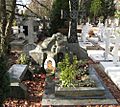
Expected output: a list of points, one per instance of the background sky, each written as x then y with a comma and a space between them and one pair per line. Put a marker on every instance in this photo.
24, 2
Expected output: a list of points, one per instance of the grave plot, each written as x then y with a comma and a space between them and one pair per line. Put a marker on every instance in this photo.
75, 88
77, 80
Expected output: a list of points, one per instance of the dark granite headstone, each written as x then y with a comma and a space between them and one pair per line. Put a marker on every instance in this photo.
18, 73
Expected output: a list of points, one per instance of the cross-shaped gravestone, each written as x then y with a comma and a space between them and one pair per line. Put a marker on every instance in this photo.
116, 47
85, 31
21, 34
100, 31
21, 29
107, 42
113, 27
72, 35
116, 21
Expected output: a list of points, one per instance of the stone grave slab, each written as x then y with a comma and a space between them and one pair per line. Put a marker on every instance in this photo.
102, 44
115, 77
50, 98
85, 92
98, 55
110, 66
95, 52
113, 71
84, 45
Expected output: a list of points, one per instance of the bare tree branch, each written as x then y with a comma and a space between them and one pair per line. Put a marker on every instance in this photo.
17, 14
29, 9
41, 4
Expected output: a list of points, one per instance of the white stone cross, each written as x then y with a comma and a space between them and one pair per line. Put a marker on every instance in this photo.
85, 31
21, 29
107, 42
116, 47
21, 34
100, 32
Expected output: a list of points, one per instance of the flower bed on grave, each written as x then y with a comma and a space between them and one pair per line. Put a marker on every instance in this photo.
76, 80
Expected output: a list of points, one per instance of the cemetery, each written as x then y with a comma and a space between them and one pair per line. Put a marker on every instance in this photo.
64, 56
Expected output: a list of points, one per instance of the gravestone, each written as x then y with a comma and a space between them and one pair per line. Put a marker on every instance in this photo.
107, 34
115, 49
100, 31
31, 37
19, 42
72, 35
85, 31
21, 35
18, 73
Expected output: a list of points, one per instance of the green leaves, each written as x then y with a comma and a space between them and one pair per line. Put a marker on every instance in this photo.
95, 7
68, 71
75, 74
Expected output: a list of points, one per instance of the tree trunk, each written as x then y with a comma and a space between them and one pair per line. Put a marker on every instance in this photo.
3, 25
72, 35
6, 25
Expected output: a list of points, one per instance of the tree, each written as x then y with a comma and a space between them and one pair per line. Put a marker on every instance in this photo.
6, 24
55, 17
108, 8
84, 9
95, 8
6, 20
41, 7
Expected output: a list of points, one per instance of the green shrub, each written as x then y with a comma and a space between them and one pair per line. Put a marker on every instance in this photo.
55, 17
68, 71
74, 74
